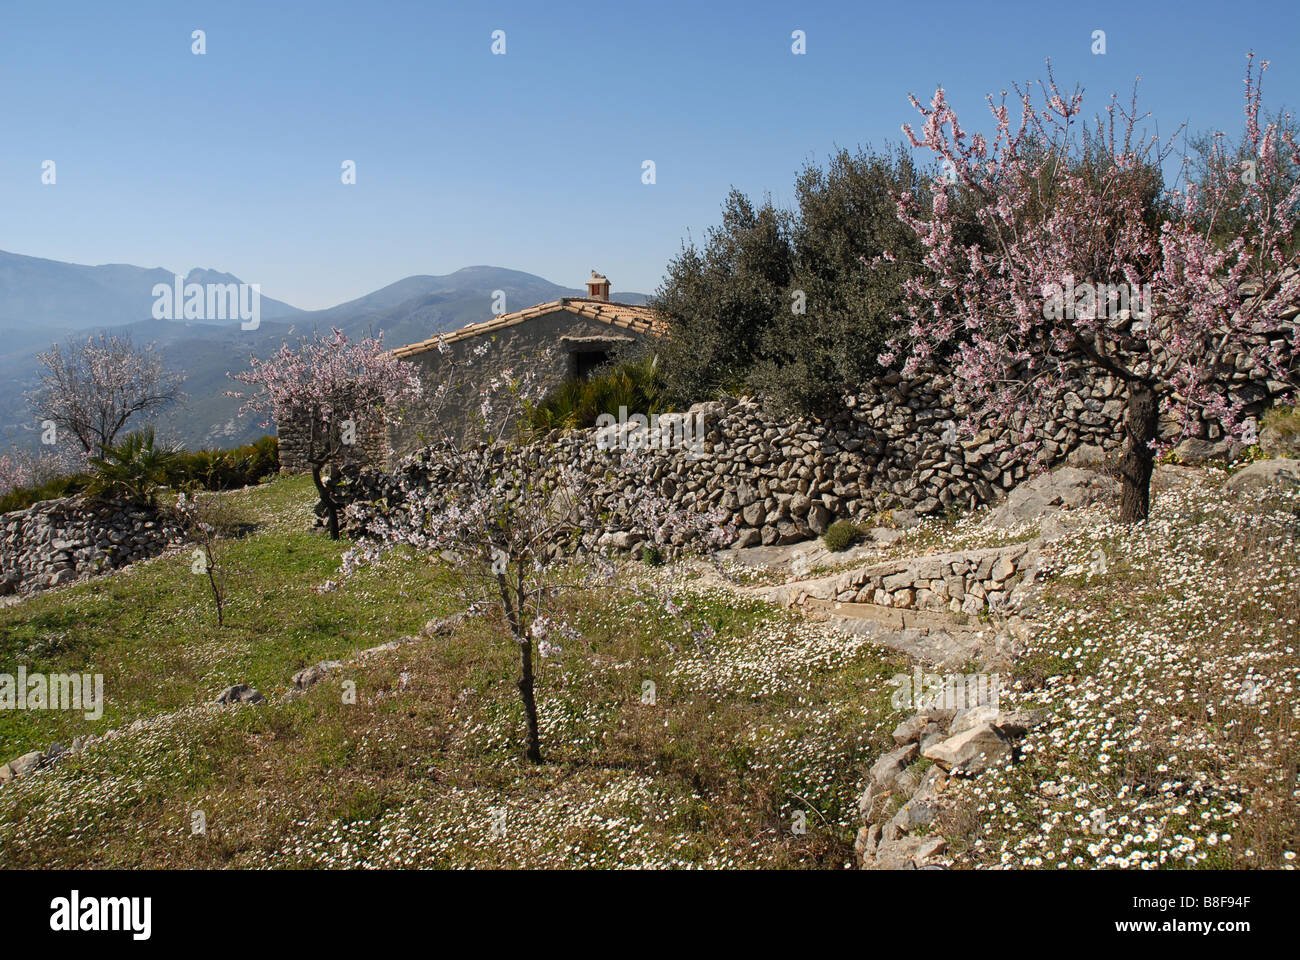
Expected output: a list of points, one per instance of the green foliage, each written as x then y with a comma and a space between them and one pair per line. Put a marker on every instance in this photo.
652, 556
226, 469
846, 215
841, 535
721, 298
21, 498
134, 468
635, 384
201, 469
786, 302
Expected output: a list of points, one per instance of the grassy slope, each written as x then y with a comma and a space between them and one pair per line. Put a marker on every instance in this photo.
770, 716
151, 630
1141, 667
1171, 679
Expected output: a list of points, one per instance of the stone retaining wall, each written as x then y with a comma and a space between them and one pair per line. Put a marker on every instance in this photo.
55, 541
781, 481
963, 582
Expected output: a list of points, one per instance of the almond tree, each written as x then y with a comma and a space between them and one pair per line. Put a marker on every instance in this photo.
1075, 265
198, 522
92, 388
13, 474
21, 467
513, 514
331, 386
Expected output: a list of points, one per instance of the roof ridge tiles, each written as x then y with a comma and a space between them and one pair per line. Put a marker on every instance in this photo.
627, 316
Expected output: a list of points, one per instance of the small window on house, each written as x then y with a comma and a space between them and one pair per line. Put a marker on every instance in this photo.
585, 361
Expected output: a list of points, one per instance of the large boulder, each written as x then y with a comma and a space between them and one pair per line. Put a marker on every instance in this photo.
1066, 488
1262, 474
971, 752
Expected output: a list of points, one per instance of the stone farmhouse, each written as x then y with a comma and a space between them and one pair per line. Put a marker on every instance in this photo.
563, 339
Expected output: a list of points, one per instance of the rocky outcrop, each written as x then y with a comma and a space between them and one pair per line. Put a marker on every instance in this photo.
57, 541
1281, 473
907, 787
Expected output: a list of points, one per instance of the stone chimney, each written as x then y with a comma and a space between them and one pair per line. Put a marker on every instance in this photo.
598, 287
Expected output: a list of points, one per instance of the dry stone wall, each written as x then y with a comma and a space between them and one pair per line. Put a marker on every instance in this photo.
294, 438
781, 481
963, 582
55, 541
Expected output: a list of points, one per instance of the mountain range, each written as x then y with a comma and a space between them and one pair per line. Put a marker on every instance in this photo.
45, 301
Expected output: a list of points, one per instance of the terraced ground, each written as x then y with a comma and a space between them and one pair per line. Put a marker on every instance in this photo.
1170, 680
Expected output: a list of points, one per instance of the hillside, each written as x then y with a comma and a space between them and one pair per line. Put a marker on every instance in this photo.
1159, 660
50, 296
44, 300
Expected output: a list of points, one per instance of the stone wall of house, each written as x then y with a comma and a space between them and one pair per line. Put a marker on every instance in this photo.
295, 442
55, 541
780, 481
534, 347
542, 346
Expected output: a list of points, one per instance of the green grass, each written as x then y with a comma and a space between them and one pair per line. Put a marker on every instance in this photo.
767, 717
151, 631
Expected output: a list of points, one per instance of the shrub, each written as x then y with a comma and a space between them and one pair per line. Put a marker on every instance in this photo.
652, 556
633, 384
226, 469
785, 302
133, 469
20, 498
841, 535
198, 469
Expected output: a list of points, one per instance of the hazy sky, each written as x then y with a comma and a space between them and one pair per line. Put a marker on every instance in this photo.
531, 160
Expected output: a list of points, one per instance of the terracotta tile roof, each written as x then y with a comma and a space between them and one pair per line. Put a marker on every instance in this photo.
624, 315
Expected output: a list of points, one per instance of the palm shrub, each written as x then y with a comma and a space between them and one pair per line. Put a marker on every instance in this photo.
133, 469
635, 385
226, 469
198, 469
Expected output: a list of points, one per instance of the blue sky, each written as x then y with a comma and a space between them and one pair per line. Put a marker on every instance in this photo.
530, 160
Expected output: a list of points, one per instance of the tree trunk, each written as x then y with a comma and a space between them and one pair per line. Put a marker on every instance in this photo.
530, 704
1135, 467
327, 501
515, 619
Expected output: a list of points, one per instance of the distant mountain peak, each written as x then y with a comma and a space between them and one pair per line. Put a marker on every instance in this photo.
45, 300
